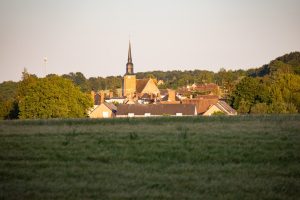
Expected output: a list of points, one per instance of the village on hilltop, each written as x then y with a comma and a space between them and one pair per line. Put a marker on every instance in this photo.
143, 98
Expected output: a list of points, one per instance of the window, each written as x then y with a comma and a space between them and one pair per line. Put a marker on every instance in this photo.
147, 114
130, 114
178, 114
105, 114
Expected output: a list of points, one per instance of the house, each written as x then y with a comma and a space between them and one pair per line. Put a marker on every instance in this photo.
148, 110
147, 86
146, 99
104, 110
203, 89
202, 102
170, 98
220, 106
163, 92
210, 88
160, 82
98, 97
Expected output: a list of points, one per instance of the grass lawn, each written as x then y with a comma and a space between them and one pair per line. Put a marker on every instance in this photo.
243, 157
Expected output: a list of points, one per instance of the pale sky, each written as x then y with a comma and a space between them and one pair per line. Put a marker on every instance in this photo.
91, 36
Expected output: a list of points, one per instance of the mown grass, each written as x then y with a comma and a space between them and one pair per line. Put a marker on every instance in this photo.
243, 157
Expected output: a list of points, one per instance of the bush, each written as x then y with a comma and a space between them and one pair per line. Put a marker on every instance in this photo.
259, 108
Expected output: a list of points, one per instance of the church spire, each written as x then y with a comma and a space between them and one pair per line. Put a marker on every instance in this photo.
129, 53
129, 65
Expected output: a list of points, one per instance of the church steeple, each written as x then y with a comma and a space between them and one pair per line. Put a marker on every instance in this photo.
129, 54
129, 65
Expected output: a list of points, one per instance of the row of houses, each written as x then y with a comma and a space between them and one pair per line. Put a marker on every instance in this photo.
143, 98
169, 105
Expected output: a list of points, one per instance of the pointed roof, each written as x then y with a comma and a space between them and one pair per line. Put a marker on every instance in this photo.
222, 105
141, 84
129, 53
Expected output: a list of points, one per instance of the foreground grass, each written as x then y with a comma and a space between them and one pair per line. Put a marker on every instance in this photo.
244, 157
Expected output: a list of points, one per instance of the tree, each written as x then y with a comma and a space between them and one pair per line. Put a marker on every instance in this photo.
8, 105
286, 89
246, 89
78, 79
244, 107
53, 97
259, 108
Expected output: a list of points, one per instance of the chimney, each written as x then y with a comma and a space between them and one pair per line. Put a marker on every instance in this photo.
171, 95
102, 95
111, 94
93, 96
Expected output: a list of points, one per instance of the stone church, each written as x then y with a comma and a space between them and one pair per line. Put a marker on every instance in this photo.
136, 88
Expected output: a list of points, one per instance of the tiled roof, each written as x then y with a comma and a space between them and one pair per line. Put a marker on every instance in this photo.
140, 84
200, 88
206, 87
207, 97
202, 105
156, 109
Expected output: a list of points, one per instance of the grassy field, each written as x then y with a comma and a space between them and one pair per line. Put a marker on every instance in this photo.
243, 157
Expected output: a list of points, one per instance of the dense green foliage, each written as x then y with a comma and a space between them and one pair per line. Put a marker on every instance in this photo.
94, 83
53, 97
288, 63
154, 158
279, 93
172, 79
8, 91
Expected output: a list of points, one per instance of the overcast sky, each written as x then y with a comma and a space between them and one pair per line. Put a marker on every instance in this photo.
91, 36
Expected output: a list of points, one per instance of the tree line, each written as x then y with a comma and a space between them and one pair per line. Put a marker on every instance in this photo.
272, 88
42, 98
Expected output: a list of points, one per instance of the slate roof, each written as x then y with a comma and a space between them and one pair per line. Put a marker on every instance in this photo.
111, 106
222, 105
156, 109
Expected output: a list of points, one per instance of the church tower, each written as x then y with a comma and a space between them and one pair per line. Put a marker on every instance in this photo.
129, 65
129, 81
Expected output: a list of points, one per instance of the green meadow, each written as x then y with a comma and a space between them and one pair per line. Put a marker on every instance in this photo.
241, 157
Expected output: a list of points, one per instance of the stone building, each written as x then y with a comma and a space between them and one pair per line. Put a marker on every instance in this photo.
133, 87
104, 110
